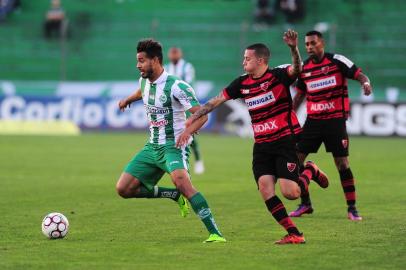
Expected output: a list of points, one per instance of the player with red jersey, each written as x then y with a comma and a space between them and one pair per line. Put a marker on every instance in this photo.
266, 93
323, 82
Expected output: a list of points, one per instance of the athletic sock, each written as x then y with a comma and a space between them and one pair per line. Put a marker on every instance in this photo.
201, 208
348, 184
158, 192
278, 211
304, 181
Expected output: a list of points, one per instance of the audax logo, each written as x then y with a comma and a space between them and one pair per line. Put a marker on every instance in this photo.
260, 101
261, 128
321, 84
322, 107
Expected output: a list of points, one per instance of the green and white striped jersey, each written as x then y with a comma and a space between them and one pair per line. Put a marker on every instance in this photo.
166, 101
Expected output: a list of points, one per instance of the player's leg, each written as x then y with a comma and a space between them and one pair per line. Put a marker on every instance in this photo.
199, 165
266, 186
140, 177
348, 185
176, 162
337, 142
309, 142
264, 168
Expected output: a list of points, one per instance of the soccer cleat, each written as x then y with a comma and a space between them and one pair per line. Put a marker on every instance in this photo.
353, 215
321, 178
291, 239
183, 205
215, 238
302, 209
199, 167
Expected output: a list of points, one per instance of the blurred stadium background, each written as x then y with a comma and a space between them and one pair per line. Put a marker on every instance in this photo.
73, 83
80, 76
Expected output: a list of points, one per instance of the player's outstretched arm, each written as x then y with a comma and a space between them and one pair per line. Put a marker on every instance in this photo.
198, 118
183, 139
124, 103
291, 39
365, 83
206, 108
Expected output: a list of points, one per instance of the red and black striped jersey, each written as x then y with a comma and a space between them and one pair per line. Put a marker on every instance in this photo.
325, 86
269, 103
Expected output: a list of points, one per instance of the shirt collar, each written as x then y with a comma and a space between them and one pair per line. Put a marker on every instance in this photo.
161, 78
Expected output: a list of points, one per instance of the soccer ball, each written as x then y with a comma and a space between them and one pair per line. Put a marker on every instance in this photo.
55, 225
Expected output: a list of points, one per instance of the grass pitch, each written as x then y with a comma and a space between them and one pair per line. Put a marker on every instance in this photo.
76, 176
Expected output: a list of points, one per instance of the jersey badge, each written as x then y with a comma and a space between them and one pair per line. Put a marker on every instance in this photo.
291, 166
163, 98
325, 70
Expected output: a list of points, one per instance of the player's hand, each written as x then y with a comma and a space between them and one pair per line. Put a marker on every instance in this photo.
290, 38
183, 139
367, 88
122, 104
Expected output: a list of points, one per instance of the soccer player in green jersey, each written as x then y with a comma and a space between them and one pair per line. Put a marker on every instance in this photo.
166, 99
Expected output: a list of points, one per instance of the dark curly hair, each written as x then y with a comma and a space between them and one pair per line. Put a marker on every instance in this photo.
152, 48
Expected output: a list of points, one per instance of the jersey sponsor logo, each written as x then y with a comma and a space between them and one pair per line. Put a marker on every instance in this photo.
260, 101
344, 143
318, 107
163, 98
321, 84
159, 123
156, 110
265, 127
291, 166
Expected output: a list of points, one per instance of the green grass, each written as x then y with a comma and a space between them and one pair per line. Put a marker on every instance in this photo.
77, 176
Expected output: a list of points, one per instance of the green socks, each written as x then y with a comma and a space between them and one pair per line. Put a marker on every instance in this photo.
201, 208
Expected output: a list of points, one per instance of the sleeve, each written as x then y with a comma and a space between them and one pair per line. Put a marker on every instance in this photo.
347, 67
300, 86
185, 94
281, 72
189, 73
232, 91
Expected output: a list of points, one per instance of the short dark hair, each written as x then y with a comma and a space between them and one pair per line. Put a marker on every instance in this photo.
314, 33
261, 50
152, 48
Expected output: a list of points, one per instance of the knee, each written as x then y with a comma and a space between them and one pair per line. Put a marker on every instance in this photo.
342, 164
290, 190
292, 194
265, 189
122, 191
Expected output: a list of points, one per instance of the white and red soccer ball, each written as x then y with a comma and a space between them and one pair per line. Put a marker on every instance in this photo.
55, 225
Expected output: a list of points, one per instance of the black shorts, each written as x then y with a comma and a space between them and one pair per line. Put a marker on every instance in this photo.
276, 158
331, 132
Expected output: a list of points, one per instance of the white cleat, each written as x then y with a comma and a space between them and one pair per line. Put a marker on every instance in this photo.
199, 167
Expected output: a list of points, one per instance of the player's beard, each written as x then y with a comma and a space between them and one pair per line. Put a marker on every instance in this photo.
147, 73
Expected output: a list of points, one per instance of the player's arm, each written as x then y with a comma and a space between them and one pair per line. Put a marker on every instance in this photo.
124, 103
206, 109
297, 100
365, 83
198, 118
290, 38
183, 139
